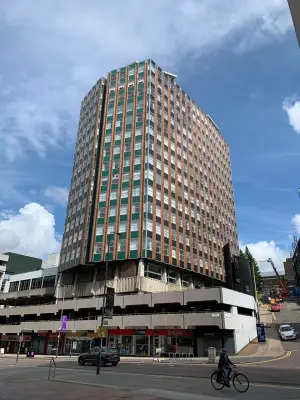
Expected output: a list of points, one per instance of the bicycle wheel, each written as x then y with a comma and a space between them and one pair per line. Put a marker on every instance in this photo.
216, 383
240, 383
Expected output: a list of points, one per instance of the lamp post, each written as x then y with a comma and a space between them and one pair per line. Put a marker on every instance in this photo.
104, 297
61, 314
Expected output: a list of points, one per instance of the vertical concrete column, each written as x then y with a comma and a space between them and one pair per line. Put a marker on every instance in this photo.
141, 268
94, 281
58, 288
75, 285
178, 278
164, 276
191, 283
116, 276
233, 310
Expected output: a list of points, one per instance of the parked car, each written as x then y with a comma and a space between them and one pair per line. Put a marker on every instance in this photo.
108, 355
286, 332
275, 307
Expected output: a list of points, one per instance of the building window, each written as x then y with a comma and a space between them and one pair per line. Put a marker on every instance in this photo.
158, 247
133, 244
112, 211
13, 286
121, 244
101, 212
166, 249
123, 209
134, 226
135, 208
24, 285
113, 195
110, 228
171, 276
124, 193
153, 271
99, 230
122, 227
136, 191
49, 281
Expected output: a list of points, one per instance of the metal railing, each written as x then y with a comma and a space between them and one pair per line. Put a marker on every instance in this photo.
52, 368
173, 357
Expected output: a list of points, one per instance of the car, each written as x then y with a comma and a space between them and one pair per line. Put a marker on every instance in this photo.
109, 355
275, 307
286, 332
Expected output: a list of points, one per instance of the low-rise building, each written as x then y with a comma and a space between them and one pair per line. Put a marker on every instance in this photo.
289, 272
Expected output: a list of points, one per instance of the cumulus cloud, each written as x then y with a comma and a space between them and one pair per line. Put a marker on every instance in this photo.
57, 194
263, 250
31, 232
296, 223
292, 107
40, 100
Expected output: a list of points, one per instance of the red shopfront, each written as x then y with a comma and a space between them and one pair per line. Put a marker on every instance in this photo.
47, 342
144, 342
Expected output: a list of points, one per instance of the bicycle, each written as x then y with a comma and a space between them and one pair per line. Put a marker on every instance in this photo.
240, 381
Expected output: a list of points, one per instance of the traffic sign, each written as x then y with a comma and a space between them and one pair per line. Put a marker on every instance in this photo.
101, 332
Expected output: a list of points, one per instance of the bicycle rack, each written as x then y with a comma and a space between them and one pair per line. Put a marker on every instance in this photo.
52, 367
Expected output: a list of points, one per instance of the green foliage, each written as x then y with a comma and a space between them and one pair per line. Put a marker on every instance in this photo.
255, 268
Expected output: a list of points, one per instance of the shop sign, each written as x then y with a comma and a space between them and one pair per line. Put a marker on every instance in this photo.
261, 335
15, 338
151, 332
101, 332
64, 319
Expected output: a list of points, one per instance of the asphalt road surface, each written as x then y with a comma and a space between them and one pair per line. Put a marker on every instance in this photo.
177, 382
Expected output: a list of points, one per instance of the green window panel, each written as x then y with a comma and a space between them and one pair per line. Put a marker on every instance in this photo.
124, 201
108, 119
145, 214
99, 238
143, 253
103, 189
113, 202
114, 72
140, 98
135, 216
109, 256
137, 182
137, 167
141, 74
102, 204
118, 129
106, 145
128, 140
135, 199
139, 124
141, 64
123, 69
117, 143
133, 254
134, 235
126, 170
129, 113
106, 158
111, 219
96, 258
122, 82
115, 171
108, 131
123, 218
127, 154
121, 255
114, 186
128, 126
100, 221
125, 185
104, 173
137, 153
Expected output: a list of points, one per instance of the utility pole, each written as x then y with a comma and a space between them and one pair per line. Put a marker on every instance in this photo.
61, 314
104, 298
255, 291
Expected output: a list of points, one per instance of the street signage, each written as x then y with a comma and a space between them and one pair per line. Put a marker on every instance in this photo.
64, 319
101, 332
261, 335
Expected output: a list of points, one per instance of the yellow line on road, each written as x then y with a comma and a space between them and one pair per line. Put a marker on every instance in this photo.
287, 354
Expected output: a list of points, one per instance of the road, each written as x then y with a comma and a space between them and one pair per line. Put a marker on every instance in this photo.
152, 380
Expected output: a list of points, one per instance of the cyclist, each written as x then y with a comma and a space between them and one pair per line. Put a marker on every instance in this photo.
224, 366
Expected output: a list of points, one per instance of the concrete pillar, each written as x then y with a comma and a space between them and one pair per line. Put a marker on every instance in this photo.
191, 283
75, 284
141, 268
178, 278
116, 276
164, 276
94, 280
233, 310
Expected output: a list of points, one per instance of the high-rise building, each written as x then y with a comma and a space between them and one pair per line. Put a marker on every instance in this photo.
295, 13
151, 166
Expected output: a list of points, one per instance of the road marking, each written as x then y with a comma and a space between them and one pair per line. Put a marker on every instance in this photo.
287, 354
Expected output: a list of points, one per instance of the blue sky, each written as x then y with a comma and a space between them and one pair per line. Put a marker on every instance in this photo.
239, 61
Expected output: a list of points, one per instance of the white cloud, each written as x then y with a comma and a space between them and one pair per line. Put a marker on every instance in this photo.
263, 250
57, 194
292, 107
296, 223
40, 96
30, 232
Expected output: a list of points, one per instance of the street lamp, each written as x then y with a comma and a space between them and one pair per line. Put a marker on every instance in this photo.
104, 296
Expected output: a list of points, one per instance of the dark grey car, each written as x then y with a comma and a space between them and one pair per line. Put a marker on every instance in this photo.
109, 355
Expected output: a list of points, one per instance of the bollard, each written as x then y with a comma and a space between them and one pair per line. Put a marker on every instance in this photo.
211, 355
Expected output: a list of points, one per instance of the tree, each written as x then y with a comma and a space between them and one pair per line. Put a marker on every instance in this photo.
255, 268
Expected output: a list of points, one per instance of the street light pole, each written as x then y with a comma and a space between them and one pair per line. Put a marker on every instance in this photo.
104, 298
61, 314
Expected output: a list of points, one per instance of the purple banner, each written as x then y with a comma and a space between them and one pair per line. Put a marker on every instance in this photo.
64, 319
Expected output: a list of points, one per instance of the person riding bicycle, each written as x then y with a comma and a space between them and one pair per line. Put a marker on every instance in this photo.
224, 366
